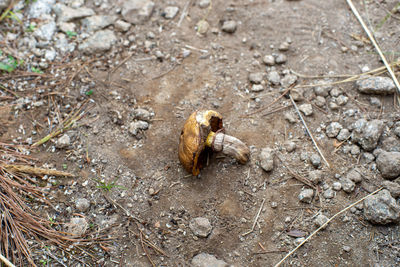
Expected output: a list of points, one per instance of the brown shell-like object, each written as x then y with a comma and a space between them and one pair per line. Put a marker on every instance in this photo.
192, 149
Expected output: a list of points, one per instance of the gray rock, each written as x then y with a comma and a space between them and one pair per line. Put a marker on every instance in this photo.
204, 3
341, 100
64, 141
388, 164
355, 175
396, 131
266, 158
50, 55
67, 27
329, 193
335, 92
375, 102
4, 4
77, 226
46, 31
136, 126
269, 60
39, 8
82, 204
288, 80
346, 248
142, 114
320, 220
306, 109
297, 94
207, 260
98, 22
366, 133
381, 208
306, 195
393, 187
229, 26
122, 25
290, 146
315, 176
284, 46
99, 42
391, 144
376, 85
322, 90
280, 59
170, 12
202, 26
347, 185
256, 77
315, 160
337, 186
333, 129
320, 101
355, 150
66, 14
367, 157
257, 88
290, 117
274, 78
344, 134
137, 11
200, 226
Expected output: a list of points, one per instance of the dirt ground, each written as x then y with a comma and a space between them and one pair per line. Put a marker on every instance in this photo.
325, 39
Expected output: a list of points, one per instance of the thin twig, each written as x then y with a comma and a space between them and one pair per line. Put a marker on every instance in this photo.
255, 219
296, 176
325, 224
371, 37
308, 131
6, 262
145, 251
35, 170
184, 12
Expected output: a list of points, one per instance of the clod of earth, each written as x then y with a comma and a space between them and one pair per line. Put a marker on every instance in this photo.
202, 134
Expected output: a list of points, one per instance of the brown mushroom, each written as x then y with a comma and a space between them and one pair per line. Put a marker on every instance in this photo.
202, 134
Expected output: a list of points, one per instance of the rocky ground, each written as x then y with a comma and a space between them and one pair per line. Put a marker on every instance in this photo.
138, 68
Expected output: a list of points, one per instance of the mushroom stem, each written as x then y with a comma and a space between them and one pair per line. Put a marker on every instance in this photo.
229, 145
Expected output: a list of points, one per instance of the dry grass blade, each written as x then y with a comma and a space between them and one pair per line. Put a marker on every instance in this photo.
371, 37
67, 124
308, 131
325, 224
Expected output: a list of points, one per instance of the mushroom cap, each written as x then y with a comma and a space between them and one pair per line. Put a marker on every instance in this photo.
192, 149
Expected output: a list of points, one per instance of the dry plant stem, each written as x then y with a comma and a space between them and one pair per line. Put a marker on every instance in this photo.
371, 37
6, 262
255, 219
308, 131
325, 224
296, 176
35, 171
231, 146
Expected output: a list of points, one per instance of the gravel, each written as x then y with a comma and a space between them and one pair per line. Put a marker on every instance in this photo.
204, 3
336, 186
393, 187
200, 226
99, 42
207, 260
266, 158
142, 114
98, 22
315, 160
376, 85
329, 193
388, 164
280, 59
381, 208
333, 129
355, 175
170, 12
274, 77
63, 142
46, 31
306, 109
82, 204
136, 126
39, 8
269, 60
288, 80
320, 220
77, 226
306, 195
66, 14
315, 176
257, 88
256, 77
122, 26
348, 185
367, 133
229, 26
137, 11
344, 134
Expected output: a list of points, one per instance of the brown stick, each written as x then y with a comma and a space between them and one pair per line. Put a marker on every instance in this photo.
35, 170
